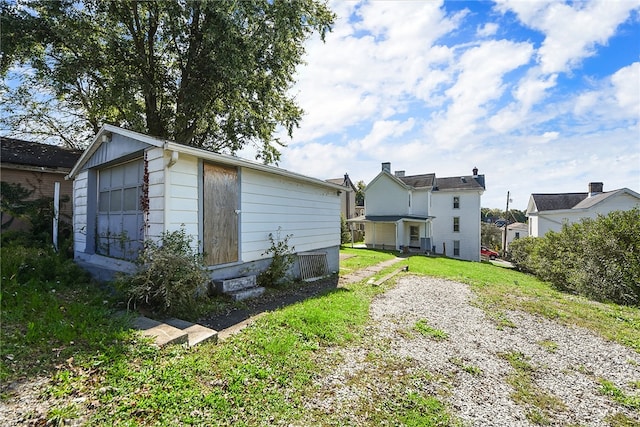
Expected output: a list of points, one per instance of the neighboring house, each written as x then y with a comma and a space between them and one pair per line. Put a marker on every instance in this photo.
37, 167
548, 212
129, 187
424, 213
347, 197
515, 231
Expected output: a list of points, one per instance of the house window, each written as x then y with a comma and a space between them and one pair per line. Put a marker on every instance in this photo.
456, 202
517, 234
456, 248
456, 223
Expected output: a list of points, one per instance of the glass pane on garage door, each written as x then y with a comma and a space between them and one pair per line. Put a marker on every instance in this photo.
119, 222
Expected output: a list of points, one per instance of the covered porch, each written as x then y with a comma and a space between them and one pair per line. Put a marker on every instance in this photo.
404, 233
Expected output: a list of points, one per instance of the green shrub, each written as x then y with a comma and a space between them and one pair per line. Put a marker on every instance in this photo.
170, 278
610, 248
16, 202
282, 258
345, 233
522, 254
598, 258
39, 264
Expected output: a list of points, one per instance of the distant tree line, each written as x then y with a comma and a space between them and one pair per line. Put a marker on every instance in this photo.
598, 258
492, 215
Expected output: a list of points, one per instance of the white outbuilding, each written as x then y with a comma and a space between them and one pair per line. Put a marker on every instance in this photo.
129, 187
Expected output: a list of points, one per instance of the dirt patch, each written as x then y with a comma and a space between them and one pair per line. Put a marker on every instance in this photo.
271, 300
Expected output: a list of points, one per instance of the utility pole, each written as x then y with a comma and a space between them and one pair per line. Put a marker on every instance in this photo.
504, 235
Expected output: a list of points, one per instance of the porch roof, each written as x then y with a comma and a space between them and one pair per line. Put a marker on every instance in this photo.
390, 218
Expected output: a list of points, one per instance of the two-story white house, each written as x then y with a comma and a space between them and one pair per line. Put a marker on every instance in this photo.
424, 213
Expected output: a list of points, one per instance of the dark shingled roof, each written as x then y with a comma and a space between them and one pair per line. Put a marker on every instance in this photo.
419, 181
460, 183
552, 202
596, 198
30, 153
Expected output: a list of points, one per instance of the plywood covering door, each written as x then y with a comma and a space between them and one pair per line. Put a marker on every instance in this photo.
220, 217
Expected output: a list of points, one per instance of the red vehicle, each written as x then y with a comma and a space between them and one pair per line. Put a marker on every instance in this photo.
486, 252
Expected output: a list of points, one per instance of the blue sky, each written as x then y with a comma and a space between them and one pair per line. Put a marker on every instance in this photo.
541, 96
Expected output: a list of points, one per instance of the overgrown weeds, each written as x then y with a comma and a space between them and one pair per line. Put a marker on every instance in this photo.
282, 258
52, 312
170, 278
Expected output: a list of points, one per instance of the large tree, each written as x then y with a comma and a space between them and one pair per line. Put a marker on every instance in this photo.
212, 74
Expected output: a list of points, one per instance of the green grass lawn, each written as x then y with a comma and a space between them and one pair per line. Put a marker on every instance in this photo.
356, 259
262, 376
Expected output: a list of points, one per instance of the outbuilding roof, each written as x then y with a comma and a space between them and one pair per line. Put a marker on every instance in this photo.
106, 131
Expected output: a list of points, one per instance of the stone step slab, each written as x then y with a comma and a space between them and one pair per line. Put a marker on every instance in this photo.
173, 331
247, 293
161, 333
232, 285
197, 333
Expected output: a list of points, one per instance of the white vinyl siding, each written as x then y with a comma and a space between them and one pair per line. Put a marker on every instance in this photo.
80, 211
420, 203
385, 196
310, 213
547, 221
155, 169
182, 196
469, 214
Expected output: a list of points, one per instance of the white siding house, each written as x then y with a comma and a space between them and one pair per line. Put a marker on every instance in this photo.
424, 213
129, 187
548, 212
514, 231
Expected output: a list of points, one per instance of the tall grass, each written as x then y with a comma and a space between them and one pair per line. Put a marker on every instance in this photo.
51, 312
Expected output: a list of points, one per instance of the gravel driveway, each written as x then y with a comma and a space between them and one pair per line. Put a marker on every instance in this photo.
470, 369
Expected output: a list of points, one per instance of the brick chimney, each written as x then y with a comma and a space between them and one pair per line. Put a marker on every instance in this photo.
595, 188
386, 167
399, 174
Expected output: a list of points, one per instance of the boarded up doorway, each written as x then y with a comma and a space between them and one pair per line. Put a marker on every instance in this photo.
220, 217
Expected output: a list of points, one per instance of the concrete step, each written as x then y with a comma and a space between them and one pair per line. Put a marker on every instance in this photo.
231, 285
197, 333
247, 293
162, 333
174, 331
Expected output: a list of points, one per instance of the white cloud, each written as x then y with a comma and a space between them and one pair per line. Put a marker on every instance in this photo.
377, 56
615, 97
572, 31
391, 85
479, 82
383, 130
487, 30
626, 86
